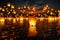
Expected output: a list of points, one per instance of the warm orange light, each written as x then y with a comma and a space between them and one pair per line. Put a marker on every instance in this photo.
32, 20
51, 13
50, 19
52, 9
17, 19
8, 4
2, 21
18, 7
24, 6
0, 8
32, 26
21, 18
28, 8
21, 10
3, 10
14, 12
14, 20
47, 5
12, 6
38, 14
9, 19
33, 8
41, 18
32, 31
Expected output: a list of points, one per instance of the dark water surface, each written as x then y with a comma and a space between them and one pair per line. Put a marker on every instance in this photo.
44, 29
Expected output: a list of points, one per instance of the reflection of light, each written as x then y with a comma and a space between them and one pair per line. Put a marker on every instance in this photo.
32, 27
56, 18
59, 22
9, 19
26, 18
14, 20
41, 19
50, 19
2, 21
32, 31
32, 21
21, 20
17, 19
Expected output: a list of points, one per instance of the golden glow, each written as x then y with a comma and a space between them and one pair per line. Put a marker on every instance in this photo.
21, 18
0, 8
52, 9
42, 18
9, 19
32, 26
17, 19
14, 20
32, 31
33, 8
24, 6
38, 14
18, 7
2, 21
21, 11
48, 11
47, 5
3, 10
32, 20
12, 6
31, 12
28, 8
26, 18
8, 4
51, 19
14, 12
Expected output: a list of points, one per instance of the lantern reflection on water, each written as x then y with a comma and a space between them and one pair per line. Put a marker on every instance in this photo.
42, 18
21, 20
59, 21
14, 20
2, 21
9, 18
17, 19
32, 26
51, 19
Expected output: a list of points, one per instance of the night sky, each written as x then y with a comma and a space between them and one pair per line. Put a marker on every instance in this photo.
52, 3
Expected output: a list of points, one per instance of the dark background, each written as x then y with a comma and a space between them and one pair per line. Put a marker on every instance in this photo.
52, 3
